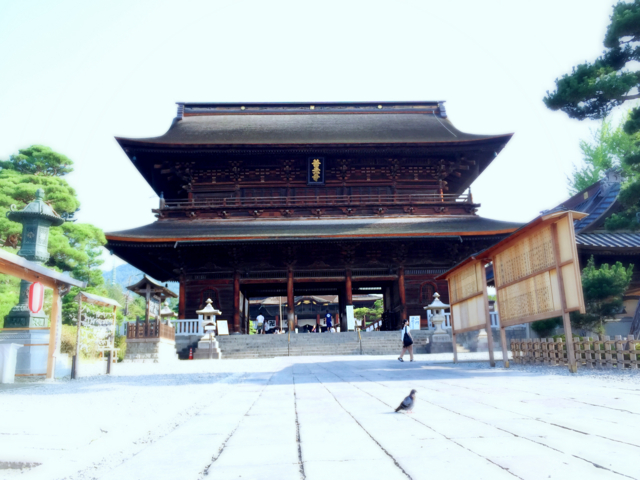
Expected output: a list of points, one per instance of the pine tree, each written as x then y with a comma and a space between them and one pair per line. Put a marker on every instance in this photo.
593, 89
74, 247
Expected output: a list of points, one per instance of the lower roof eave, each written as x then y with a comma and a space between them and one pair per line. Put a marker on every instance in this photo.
390, 236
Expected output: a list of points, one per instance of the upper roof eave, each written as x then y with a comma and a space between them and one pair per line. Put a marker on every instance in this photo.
150, 143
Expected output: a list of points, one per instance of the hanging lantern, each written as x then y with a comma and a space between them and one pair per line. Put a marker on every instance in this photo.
36, 297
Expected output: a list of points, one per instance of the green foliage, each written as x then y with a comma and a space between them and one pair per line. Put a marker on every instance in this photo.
372, 314
121, 343
9, 292
40, 161
609, 147
592, 90
74, 247
88, 351
68, 340
603, 290
625, 25
20, 189
544, 327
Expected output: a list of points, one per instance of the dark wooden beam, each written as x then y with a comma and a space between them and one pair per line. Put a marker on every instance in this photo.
236, 302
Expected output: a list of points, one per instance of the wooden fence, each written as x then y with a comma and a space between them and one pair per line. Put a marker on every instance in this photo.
591, 352
152, 329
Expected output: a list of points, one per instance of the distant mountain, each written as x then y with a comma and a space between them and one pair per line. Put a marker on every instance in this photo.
128, 275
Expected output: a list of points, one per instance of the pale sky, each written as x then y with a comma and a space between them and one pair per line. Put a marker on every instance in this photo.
74, 74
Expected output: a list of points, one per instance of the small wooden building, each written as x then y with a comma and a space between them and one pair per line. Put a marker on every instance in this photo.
151, 341
293, 199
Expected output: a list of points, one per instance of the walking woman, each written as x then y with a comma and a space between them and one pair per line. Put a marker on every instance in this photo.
407, 341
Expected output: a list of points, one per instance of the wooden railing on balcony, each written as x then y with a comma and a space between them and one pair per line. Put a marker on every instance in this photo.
152, 329
319, 200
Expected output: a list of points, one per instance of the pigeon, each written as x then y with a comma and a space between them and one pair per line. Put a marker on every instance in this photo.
407, 403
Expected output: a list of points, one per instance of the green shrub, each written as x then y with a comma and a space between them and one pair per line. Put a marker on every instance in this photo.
68, 340
89, 348
545, 327
121, 343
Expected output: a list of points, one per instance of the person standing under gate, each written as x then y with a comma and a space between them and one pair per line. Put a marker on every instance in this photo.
327, 319
407, 341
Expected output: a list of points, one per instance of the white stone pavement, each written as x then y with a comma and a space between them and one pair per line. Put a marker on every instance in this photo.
324, 418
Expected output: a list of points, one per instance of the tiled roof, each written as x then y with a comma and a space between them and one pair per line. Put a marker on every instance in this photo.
598, 208
608, 240
325, 229
299, 124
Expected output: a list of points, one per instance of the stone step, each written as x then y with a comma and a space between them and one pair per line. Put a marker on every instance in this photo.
345, 343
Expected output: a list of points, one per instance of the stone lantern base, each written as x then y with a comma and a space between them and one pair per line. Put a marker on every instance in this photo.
205, 346
441, 343
32, 359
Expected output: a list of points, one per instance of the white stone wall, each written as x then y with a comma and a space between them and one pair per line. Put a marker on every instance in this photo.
151, 350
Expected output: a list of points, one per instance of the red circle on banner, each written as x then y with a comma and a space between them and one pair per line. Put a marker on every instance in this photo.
36, 297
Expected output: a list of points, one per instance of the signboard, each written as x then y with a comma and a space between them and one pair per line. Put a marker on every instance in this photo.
351, 321
223, 327
154, 307
467, 295
537, 275
414, 322
269, 325
315, 171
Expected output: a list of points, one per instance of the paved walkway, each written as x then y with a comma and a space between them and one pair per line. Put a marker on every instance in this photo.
325, 417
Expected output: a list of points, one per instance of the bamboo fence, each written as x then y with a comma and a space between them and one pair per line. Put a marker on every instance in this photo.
591, 352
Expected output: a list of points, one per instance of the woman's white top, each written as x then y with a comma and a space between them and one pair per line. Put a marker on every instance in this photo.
403, 331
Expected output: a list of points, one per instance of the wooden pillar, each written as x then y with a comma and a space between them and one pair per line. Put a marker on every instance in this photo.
147, 310
454, 344
401, 292
487, 327
247, 313
341, 309
55, 324
505, 350
566, 319
348, 288
387, 302
182, 299
75, 362
236, 302
503, 337
290, 300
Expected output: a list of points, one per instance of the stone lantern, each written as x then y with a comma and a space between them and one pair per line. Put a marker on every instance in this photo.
440, 340
36, 218
166, 314
208, 345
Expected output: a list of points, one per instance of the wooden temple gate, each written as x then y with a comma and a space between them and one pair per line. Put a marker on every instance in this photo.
294, 199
